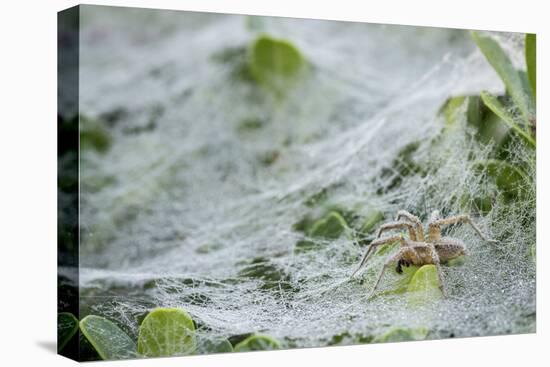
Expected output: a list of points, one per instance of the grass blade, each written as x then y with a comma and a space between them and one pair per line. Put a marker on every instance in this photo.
504, 68
494, 105
531, 60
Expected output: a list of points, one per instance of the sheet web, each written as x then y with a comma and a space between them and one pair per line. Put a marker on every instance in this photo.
200, 211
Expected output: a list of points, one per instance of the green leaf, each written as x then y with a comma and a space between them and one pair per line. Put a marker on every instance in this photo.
494, 105
402, 335
166, 332
531, 60
526, 85
93, 135
67, 326
456, 107
370, 221
504, 68
424, 286
452, 109
401, 285
257, 342
329, 227
213, 345
508, 178
108, 339
275, 63
251, 124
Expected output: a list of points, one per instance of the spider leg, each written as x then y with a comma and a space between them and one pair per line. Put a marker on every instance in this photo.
395, 225
437, 263
435, 227
387, 264
373, 245
412, 218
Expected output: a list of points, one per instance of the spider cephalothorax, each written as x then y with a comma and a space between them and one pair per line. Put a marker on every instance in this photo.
418, 250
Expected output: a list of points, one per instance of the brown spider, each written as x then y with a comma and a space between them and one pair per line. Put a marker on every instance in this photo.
417, 250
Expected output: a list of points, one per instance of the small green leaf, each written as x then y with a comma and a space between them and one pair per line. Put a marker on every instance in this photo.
452, 109
67, 326
346, 338
424, 286
251, 124
494, 105
456, 107
268, 158
108, 339
213, 345
329, 227
257, 342
504, 68
317, 198
531, 60
402, 335
275, 63
166, 332
93, 135
401, 285
304, 224
370, 221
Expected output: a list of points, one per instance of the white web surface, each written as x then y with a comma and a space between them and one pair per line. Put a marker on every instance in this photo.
194, 181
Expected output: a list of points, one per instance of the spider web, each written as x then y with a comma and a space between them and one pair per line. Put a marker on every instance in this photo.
187, 214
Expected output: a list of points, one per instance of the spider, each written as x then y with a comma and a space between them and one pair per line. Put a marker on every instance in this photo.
418, 250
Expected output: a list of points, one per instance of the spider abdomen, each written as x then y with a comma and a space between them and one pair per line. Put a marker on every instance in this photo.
449, 248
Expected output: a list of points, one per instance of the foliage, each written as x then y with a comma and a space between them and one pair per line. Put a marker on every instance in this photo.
67, 326
108, 339
330, 227
257, 342
523, 101
531, 60
424, 286
166, 332
506, 116
371, 221
213, 345
94, 135
275, 63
